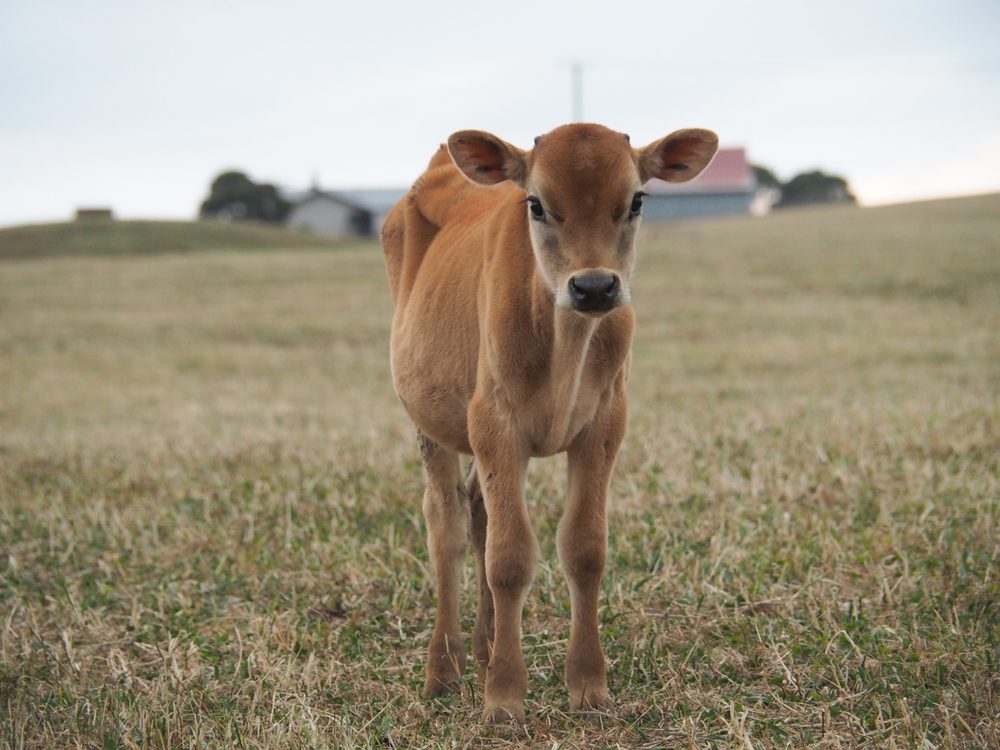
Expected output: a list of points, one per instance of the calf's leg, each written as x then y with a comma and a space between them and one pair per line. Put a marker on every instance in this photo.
482, 636
447, 517
582, 542
510, 559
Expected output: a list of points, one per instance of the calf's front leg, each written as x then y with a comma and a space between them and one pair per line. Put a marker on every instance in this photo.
582, 543
510, 560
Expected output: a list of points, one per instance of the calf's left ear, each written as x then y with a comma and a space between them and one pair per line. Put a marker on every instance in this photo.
679, 157
486, 159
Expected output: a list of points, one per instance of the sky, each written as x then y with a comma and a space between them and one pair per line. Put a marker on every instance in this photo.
138, 105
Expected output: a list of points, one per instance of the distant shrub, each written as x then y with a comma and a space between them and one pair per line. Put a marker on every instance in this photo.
815, 187
234, 196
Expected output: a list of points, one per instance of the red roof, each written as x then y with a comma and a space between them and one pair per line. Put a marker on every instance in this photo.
729, 170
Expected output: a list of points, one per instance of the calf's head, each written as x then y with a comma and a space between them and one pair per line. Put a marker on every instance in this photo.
583, 203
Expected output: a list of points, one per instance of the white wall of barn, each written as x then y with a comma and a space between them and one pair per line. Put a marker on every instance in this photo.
323, 217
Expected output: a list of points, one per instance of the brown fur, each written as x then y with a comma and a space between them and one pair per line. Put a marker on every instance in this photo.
490, 359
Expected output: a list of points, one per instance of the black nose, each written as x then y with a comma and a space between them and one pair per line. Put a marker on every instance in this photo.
594, 291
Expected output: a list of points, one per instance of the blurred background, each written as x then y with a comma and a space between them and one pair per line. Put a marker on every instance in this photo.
210, 524
138, 107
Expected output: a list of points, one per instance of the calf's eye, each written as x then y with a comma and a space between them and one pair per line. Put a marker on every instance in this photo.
535, 207
636, 208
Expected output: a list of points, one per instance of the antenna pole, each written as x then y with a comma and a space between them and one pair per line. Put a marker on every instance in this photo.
576, 76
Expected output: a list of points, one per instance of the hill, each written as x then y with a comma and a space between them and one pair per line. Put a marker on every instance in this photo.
79, 238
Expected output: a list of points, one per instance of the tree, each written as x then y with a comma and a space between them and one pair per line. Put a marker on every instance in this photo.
765, 177
815, 187
233, 195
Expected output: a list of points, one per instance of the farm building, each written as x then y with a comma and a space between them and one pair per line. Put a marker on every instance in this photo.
727, 186
95, 214
342, 213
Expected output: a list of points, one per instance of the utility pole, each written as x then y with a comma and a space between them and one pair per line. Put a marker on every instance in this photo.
576, 76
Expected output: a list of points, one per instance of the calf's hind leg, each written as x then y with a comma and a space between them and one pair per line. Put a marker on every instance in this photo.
482, 636
446, 512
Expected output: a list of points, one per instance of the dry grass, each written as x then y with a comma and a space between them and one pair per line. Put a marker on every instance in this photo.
209, 500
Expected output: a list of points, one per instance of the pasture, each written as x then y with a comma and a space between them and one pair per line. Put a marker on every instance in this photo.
210, 499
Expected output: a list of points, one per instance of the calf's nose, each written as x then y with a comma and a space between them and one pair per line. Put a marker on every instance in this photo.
594, 291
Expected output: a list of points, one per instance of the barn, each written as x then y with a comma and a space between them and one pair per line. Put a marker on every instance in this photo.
727, 186
343, 213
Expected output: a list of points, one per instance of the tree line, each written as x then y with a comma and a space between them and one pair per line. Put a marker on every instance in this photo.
234, 196
806, 188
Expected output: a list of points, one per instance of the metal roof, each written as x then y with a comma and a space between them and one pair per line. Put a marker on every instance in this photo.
373, 200
376, 200
729, 171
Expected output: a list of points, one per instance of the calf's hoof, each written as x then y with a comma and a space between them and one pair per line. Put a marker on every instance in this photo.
592, 703
435, 687
507, 713
444, 668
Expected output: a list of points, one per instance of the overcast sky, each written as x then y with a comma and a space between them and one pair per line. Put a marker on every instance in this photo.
137, 105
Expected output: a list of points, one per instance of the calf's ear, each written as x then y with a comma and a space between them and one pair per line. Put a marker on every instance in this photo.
486, 159
679, 157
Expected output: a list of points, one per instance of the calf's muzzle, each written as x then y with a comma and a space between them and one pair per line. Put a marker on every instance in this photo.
594, 291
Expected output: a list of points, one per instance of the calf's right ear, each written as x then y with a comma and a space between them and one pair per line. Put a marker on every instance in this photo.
486, 159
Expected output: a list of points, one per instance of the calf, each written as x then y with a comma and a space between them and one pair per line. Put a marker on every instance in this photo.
511, 276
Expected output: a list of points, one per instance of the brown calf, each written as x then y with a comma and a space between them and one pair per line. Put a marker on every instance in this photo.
510, 272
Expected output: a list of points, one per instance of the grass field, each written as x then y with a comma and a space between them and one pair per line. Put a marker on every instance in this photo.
101, 238
210, 522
